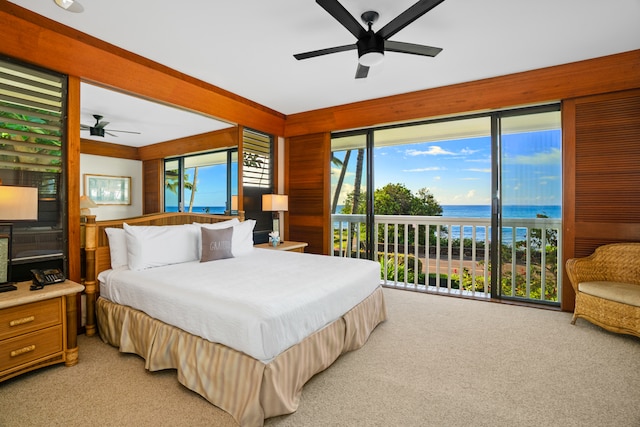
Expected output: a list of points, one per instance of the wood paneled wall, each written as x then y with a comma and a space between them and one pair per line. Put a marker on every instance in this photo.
601, 174
308, 186
594, 76
152, 186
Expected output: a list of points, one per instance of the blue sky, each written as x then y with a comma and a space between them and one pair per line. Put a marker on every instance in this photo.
211, 187
458, 172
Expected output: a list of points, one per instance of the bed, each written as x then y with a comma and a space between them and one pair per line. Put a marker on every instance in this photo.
247, 341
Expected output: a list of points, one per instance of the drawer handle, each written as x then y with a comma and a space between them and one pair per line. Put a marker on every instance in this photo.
22, 321
23, 350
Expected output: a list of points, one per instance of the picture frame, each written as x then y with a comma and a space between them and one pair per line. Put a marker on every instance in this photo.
108, 189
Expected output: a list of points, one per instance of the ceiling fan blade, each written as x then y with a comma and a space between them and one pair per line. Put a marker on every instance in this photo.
341, 15
101, 125
327, 51
362, 71
407, 17
123, 131
110, 134
415, 49
84, 127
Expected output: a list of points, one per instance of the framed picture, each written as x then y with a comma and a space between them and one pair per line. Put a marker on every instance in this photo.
108, 190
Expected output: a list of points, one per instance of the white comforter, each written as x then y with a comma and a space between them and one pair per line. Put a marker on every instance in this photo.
261, 303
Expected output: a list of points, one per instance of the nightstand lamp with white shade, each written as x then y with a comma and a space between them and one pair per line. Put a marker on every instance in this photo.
16, 204
276, 203
85, 205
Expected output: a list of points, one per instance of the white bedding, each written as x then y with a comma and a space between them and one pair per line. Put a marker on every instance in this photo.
261, 303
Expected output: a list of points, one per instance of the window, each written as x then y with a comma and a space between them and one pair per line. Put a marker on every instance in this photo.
202, 183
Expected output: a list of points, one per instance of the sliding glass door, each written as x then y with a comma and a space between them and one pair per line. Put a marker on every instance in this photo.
530, 184
467, 206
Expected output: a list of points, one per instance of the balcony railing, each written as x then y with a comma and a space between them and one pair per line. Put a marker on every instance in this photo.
452, 255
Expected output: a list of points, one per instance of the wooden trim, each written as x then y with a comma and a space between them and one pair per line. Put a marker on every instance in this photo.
38, 40
225, 138
107, 149
72, 167
594, 76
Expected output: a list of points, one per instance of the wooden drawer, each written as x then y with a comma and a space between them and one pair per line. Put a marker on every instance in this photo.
30, 317
29, 347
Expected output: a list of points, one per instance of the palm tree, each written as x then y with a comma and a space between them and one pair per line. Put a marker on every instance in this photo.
343, 170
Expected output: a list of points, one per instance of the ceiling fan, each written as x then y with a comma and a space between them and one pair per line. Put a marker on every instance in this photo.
99, 128
371, 46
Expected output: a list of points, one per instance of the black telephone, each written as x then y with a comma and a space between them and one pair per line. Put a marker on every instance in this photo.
46, 277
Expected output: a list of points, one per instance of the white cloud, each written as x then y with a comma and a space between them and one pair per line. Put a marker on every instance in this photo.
429, 169
433, 150
550, 157
483, 170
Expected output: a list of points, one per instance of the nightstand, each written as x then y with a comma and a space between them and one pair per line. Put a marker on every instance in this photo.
38, 328
285, 246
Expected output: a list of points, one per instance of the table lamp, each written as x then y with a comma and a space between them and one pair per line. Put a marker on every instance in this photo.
275, 203
85, 205
16, 204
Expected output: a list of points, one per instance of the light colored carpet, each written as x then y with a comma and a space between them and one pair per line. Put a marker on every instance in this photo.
437, 361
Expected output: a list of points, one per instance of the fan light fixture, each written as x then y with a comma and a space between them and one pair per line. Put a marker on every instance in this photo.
69, 5
370, 59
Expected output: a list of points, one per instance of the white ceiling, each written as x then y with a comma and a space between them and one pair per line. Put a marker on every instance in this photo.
247, 47
154, 122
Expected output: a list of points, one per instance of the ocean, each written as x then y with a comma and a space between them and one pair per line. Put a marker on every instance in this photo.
457, 211
508, 211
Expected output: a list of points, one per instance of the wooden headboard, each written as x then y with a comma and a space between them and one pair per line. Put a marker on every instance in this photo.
96, 246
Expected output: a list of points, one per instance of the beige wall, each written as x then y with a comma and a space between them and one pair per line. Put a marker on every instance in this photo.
100, 165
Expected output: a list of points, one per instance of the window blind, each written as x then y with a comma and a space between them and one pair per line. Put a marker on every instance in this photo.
256, 159
31, 118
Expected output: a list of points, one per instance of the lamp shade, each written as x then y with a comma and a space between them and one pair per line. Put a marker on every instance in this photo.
18, 203
275, 202
86, 204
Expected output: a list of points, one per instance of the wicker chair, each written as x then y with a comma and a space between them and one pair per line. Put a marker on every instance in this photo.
607, 287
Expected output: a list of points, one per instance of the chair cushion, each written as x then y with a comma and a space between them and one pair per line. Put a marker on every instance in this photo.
624, 293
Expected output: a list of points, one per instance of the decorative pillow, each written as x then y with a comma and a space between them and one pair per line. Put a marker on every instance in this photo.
242, 241
216, 244
212, 226
151, 246
117, 247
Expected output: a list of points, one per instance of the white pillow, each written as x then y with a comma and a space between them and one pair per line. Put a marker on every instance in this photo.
151, 246
117, 247
219, 225
242, 240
